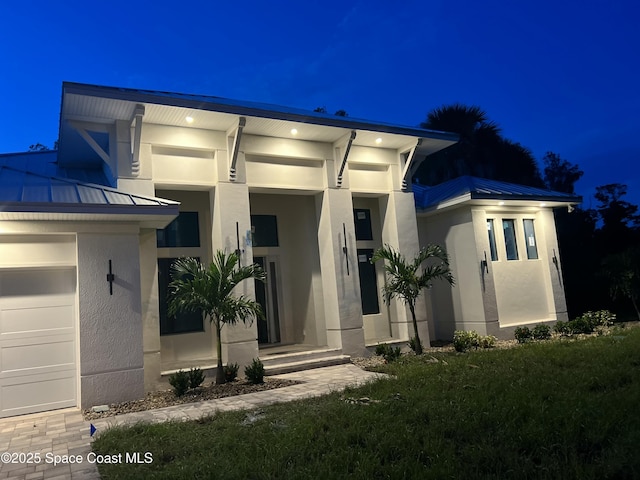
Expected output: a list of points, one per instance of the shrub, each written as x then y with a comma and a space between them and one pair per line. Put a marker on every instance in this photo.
196, 377
389, 353
255, 371
580, 325
601, 318
463, 340
180, 382
541, 332
413, 345
522, 334
562, 328
487, 341
231, 372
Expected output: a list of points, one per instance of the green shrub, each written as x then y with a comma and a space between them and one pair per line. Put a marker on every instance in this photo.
231, 371
522, 334
180, 382
562, 328
580, 325
463, 340
413, 345
541, 332
196, 377
255, 371
389, 353
487, 341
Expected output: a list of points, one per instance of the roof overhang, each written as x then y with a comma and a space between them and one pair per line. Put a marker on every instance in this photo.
102, 105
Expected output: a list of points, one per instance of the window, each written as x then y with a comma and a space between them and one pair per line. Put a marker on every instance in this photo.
530, 239
182, 323
182, 232
264, 231
362, 219
508, 226
492, 240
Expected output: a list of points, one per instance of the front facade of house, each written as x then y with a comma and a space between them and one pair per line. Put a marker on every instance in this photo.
88, 234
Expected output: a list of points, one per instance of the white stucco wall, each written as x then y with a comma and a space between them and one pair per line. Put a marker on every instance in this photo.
110, 326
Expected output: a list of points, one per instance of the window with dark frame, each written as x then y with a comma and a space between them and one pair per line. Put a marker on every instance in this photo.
492, 240
183, 231
509, 229
362, 220
185, 322
264, 231
530, 239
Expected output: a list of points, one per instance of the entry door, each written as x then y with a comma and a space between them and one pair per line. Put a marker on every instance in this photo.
267, 297
368, 283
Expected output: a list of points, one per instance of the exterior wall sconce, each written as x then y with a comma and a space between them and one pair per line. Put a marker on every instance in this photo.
484, 264
110, 278
344, 248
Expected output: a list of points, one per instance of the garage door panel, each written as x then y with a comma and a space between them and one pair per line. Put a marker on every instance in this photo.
28, 319
34, 283
38, 364
48, 352
38, 393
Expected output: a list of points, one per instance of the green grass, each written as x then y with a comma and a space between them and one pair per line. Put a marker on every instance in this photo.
564, 410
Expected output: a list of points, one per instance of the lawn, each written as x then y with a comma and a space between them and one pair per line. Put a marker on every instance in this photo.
566, 409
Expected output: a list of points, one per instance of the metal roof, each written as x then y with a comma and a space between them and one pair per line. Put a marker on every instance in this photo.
26, 185
466, 188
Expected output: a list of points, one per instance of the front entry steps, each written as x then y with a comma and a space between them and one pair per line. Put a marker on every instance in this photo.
279, 363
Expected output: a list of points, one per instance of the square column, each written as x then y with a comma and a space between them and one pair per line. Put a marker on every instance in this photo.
400, 230
230, 220
339, 271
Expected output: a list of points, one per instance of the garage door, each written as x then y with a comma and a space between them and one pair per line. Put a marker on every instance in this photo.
37, 340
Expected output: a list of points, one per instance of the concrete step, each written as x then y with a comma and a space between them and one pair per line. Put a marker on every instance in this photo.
277, 364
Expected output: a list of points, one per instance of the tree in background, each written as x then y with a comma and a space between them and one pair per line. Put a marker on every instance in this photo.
482, 151
623, 272
619, 218
559, 174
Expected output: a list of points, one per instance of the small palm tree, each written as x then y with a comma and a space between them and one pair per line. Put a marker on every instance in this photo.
209, 290
404, 281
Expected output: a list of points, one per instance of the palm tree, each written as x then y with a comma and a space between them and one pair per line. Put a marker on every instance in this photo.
406, 283
196, 288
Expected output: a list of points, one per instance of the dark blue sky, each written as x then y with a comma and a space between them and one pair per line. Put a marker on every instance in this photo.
555, 75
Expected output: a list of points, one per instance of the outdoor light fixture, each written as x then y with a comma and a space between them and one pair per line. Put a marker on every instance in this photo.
294, 131
110, 278
378, 140
500, 203
543, 204
189, 119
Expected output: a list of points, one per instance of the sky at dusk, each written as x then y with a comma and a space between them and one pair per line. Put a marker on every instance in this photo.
561, 76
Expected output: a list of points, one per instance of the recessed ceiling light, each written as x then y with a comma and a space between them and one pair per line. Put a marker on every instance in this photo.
543, 204
294, 131
500, 203
378, 140
189, 119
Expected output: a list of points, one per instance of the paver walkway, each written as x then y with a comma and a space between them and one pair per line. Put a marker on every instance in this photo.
65, 432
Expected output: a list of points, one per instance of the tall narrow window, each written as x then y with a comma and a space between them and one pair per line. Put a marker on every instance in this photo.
492, 240
362, 219
530, 239
181, 232
509, 228
184, 322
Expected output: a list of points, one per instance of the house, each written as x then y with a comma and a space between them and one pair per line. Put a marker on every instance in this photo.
88, 233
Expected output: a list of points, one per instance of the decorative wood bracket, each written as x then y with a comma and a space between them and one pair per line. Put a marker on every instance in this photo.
411, 153
346, 142
89, 139
136, 118
234, 135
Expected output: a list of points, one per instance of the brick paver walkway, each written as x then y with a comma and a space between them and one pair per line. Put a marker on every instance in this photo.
65, 432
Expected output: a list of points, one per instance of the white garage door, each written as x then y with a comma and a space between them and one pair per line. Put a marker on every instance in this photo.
37, 340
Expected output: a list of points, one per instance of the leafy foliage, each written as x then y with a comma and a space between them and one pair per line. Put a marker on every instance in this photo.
465, 340
209, 289
196, 377
541, 332
180, 382
622, 270
405, 282
389, 353
255, 371
522, 334
413, 344
231, 372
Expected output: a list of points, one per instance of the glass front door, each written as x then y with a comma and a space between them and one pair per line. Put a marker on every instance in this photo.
267, 297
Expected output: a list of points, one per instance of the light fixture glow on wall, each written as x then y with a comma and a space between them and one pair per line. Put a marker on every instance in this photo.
294, 131
189, 119
378, 140
500, 203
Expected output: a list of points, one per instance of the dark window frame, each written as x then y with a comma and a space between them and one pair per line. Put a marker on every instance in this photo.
187, 322
182, 232
510, 238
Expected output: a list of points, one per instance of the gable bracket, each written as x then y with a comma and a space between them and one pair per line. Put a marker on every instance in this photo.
345, 157
89, 139
136, 119
234, 136
411, 154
